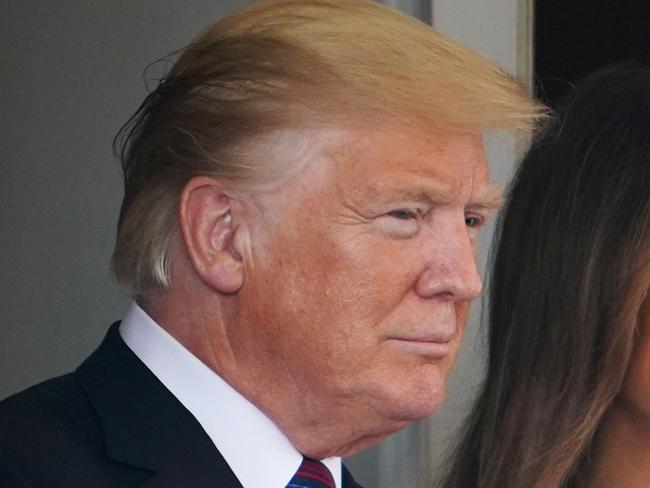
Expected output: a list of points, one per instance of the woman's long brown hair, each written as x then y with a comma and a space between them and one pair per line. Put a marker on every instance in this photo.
571, 268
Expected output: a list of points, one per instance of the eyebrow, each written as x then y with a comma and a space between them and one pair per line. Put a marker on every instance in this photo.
488, 198
418, 193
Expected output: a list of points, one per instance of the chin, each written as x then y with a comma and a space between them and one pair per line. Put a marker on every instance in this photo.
419, 408
412, 400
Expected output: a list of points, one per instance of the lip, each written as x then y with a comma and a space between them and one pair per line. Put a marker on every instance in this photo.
437, 348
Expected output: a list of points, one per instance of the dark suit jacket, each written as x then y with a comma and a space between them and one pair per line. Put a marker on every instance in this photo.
111, 423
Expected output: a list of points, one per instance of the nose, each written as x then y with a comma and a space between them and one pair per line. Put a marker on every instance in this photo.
450, 270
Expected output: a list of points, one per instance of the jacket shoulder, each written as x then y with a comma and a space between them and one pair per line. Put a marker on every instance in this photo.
38, 425
50, 435
54, 407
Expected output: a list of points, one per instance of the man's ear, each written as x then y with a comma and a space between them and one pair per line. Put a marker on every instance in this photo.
208, 230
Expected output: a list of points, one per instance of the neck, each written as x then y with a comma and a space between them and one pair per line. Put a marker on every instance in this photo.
621, 450
316, 429
316, 426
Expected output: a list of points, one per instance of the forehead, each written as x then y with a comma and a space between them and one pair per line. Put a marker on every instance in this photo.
373, 162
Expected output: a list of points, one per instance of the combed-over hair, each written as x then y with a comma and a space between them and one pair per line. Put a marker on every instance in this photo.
289, 65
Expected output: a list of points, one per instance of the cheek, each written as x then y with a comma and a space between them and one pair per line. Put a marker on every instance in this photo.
337, 282
295, 291
376, 268
351, 267
636, 389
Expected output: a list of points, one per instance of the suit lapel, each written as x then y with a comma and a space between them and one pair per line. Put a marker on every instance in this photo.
144, 424
197, 464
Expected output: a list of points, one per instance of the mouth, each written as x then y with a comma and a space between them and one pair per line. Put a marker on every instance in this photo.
433, 347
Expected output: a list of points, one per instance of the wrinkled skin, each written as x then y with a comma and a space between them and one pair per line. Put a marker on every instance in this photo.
358, 277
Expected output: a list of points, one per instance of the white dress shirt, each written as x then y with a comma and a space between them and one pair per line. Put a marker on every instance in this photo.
257, 451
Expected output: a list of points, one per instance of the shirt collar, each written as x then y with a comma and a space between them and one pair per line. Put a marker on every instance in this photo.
257, 451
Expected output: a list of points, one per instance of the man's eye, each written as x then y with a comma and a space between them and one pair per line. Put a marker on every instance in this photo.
473, 221
403, 214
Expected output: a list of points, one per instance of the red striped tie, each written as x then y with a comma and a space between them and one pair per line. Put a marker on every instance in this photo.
312, 474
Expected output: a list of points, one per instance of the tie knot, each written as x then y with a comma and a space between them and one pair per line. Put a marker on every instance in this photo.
312, 474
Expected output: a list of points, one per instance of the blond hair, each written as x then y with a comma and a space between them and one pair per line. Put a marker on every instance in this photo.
290, 64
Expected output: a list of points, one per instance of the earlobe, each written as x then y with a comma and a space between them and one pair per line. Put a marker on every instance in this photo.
208, 230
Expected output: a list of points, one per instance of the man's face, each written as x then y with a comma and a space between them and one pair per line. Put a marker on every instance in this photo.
360, 274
